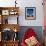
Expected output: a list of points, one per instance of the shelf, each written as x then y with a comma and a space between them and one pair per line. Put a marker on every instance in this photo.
11, 41
10, 26
9, 20
5, 13
9, 10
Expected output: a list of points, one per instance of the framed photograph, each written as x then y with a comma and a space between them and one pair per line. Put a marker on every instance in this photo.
5, 12
30, 13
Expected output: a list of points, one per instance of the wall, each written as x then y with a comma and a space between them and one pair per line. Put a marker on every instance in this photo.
39, 12
7, 3
22, 4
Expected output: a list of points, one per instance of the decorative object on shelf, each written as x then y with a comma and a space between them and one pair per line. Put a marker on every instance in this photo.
15, 34
15, 3
30, 13
15, 37
7, 34
5, 12
15, 30
6, 21
13, 12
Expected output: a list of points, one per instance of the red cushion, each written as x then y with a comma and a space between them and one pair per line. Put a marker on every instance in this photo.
29, 33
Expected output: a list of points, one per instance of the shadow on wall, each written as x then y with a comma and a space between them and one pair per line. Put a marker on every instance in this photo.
37, 29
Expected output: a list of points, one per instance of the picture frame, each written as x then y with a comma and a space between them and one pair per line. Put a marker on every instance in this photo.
30, 13
5, 12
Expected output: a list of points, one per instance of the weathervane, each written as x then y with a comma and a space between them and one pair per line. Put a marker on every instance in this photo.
15, 3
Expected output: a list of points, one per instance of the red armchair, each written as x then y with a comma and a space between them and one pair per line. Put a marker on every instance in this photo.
28, 34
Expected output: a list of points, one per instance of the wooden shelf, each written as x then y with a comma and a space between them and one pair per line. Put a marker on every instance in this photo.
10, 26
8, 11
4, 12
9, 43
3, 8
14, 9
12, 43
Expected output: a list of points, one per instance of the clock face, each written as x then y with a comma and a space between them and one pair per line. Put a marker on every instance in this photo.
5, 12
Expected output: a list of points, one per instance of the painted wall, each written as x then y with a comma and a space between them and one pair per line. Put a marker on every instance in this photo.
7, 3
22, 4
39, 12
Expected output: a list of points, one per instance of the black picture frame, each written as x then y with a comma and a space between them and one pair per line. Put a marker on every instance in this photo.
30, 13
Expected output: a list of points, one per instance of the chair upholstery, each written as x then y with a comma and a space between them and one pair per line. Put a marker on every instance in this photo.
29, 33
